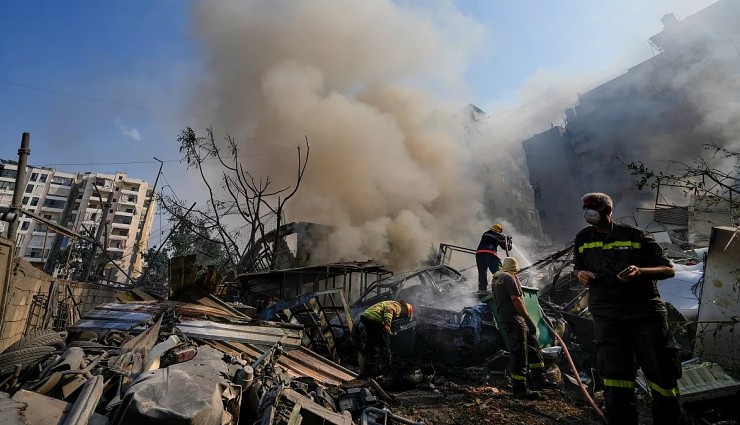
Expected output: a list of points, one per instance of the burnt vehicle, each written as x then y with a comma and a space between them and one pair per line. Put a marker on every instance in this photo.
419, 287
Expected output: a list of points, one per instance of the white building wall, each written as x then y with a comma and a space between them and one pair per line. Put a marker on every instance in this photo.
46, 193
717, 333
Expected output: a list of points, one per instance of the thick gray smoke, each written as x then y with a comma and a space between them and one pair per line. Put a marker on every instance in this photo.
355, 78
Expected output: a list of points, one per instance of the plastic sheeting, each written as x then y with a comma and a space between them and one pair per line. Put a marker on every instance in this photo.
187, 393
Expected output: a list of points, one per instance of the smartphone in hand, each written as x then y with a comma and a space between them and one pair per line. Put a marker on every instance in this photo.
623, 274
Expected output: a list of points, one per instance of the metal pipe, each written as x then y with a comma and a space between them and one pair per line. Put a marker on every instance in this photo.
385, 414
135, 249
98, 236
83, 409
20, 182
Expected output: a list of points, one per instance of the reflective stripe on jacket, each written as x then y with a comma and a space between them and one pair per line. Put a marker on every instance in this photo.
605, 255
383, 312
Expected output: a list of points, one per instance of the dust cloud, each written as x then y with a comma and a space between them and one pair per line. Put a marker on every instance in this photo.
362, 89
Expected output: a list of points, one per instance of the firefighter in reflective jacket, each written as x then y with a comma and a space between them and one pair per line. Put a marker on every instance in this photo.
377, 320
486, 256
521, 332
620, 264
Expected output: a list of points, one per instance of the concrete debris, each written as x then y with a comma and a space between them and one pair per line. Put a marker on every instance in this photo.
298, 355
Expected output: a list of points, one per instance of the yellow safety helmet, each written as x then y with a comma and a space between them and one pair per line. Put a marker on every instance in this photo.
497, 228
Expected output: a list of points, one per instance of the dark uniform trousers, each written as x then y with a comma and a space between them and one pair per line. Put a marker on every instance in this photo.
524, 352
485, 261
378, 340
617, 341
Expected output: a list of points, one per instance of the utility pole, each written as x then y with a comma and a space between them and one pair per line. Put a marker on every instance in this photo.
135, 249
98, 235
51, 260
20, 184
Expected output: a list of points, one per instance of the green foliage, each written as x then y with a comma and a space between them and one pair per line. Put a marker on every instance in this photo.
155, 275
71, 261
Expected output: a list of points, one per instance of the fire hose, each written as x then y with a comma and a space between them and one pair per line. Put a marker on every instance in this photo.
590, 400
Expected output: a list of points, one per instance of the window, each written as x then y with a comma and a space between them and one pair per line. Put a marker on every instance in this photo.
47, 216
130, 210
24, 225
25, 200
8, 173
7, 185
29, 188
122, 219
64, 181
34, 176
42, 178
54, 203
117, 189
132, 198
34, 201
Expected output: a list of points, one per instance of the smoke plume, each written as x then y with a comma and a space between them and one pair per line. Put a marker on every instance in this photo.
360, 80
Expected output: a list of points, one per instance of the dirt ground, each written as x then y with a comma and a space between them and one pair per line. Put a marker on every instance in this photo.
455, 402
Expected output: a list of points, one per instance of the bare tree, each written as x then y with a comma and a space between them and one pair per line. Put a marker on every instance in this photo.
699, 177
239, 204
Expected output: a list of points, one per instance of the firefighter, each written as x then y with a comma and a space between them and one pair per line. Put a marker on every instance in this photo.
620, 264
521, 332
377, 320
486, 256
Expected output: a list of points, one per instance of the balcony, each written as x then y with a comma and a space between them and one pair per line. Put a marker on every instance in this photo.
118, 237
129, 192
52, 209
41, 231
121, 225
103, 187
125, 201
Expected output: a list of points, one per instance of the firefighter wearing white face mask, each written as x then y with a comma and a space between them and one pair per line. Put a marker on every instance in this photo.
621, 264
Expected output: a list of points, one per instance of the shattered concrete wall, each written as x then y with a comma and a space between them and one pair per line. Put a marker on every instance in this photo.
704, 214
27, 291
717, 331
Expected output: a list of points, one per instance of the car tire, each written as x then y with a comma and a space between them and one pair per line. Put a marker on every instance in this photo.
26, 357
38, 338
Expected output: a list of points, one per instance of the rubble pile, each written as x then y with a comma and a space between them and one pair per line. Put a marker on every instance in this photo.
300, 359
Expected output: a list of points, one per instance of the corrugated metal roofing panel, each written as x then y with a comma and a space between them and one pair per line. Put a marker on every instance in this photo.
701, 381
297, 362
105, 325
674, 215
250, 334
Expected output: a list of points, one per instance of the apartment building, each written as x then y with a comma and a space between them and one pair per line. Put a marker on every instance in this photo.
663, 109
77, 201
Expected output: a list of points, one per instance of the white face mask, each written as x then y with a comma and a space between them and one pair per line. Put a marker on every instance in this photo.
591, 216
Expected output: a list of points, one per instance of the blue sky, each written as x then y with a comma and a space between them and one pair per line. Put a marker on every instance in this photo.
126, 68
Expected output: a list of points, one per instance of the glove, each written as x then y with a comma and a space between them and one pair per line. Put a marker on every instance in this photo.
387, 328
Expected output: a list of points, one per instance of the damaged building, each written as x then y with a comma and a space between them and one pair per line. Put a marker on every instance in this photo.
665, 108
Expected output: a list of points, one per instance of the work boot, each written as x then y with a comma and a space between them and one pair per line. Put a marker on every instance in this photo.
540, 381
520, 390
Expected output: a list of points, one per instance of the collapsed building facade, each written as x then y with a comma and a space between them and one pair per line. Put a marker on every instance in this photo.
665, 108
506, 188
